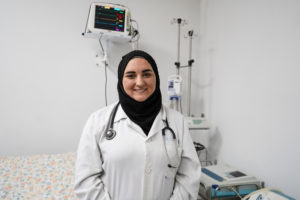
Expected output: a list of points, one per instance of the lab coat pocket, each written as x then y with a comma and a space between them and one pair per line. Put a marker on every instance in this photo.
170, 174
173, 153
179, 151
175, 161
168, 183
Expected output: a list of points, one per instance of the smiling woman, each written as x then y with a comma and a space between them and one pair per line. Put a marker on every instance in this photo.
150, 154
139, 80
138, 88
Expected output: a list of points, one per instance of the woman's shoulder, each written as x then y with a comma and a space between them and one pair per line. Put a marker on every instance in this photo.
103, 112
171, 113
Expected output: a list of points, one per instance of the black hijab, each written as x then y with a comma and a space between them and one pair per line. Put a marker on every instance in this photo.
142, 113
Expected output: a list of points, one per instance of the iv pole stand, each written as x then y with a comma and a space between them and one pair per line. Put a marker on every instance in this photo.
180, 23
177, 64
190, 62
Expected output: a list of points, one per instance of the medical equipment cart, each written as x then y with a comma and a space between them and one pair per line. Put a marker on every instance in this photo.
225, 182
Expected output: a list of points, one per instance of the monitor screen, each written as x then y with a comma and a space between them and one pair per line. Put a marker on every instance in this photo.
109, 18
237, 174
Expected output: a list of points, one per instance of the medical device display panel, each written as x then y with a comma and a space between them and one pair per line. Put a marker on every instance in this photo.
225, 174
223, 181
109, 18
110, 21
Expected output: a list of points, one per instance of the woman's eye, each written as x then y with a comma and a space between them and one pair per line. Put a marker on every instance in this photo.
130, 76
147, 74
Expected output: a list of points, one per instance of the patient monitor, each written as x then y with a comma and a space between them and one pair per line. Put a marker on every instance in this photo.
224, 181
224, 174
109, 21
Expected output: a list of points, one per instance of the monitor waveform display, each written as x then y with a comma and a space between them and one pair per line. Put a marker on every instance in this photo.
109, 18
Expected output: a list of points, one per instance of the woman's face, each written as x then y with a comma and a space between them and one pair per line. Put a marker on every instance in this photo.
139, 80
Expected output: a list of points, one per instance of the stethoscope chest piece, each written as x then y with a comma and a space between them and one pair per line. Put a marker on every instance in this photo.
110, 134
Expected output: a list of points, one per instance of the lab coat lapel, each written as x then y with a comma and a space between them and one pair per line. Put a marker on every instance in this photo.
157, 126
158, 123
122, 115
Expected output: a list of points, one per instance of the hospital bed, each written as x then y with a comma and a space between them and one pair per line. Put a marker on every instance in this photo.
37, 177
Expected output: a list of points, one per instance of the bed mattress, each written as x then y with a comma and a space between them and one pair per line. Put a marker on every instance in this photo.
37, 177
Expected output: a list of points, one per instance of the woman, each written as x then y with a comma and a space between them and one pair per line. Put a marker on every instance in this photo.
142, 159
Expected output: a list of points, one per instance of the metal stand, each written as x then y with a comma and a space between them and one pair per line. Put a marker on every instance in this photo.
176, 102
180, 23
200, 148
213, 193
190, 34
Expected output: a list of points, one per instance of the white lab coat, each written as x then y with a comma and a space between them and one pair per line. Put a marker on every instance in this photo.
133, 166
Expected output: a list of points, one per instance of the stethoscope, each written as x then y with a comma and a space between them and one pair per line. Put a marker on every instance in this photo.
110, 133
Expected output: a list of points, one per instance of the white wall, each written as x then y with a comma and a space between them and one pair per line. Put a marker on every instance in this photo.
49, 83
247, 52
251, 50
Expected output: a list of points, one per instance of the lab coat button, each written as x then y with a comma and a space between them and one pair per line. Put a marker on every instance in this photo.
148, 170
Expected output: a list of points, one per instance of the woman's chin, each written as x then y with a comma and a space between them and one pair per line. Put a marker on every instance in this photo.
140, 98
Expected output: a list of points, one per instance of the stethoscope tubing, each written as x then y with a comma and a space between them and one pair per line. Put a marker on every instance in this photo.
110, 133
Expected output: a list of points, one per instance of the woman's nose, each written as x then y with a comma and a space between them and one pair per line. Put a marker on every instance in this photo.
139, 81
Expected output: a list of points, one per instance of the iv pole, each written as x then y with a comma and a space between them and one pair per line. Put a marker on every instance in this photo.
190, 35
177, 64
177, 100
181, 22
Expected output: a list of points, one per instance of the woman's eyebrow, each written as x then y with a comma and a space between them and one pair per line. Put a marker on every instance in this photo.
133, 72
147, 70
130, 72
